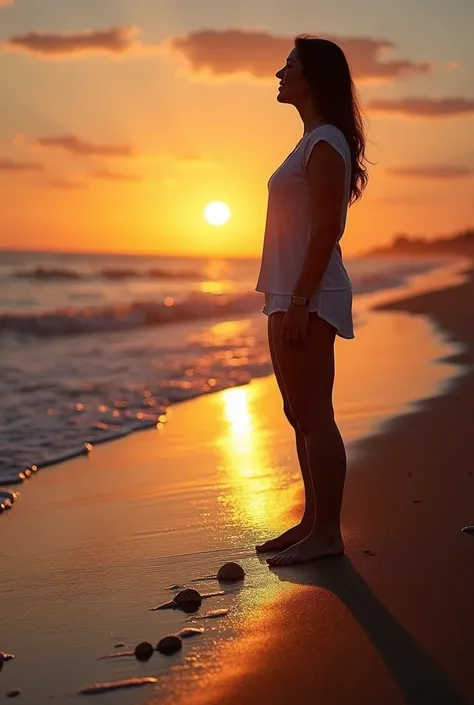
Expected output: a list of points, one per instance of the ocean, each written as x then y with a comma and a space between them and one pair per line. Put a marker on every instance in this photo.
93, 347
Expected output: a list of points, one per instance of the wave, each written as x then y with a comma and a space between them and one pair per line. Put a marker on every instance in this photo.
111, 273
119, 317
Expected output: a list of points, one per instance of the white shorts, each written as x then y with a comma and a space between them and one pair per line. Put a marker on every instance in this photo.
335, 307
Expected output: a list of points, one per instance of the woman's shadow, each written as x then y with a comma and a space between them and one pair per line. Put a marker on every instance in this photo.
420, 680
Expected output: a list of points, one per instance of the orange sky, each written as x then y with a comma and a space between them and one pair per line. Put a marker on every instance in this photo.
122, 124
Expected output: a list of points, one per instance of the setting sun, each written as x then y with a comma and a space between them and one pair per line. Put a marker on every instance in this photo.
217, 213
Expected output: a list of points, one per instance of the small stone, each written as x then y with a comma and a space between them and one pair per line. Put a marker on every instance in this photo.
468, 529
144, 651
169, 645
230, 571
13, 693
119, 645
187, 596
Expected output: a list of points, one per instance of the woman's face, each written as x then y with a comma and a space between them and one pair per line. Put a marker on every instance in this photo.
293, 87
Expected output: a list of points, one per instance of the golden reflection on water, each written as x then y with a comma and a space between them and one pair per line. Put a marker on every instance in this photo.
252, 497
217, 287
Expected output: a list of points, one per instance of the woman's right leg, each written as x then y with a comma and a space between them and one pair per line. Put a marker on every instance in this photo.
301, 530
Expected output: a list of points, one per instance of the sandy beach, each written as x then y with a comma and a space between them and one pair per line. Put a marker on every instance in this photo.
95, 543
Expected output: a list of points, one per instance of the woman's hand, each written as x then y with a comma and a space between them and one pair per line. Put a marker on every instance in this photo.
295, 325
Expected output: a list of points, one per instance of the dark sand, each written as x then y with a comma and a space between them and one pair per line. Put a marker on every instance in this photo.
395, 625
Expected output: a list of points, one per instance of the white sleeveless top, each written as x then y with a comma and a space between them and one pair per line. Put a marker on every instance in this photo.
288, 231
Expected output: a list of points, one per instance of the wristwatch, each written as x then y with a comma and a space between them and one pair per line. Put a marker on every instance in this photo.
299, 301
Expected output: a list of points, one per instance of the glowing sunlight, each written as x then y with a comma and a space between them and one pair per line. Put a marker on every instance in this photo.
217, 213
248, 461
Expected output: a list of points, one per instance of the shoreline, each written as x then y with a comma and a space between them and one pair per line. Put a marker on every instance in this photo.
90, 555
392, 621
366, 302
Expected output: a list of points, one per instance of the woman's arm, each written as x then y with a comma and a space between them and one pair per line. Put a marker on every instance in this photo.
326, 176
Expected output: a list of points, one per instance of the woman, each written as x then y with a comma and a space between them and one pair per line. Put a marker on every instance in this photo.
308, 294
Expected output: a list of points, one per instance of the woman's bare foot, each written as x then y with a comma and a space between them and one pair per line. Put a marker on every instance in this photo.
310, 548
288, 538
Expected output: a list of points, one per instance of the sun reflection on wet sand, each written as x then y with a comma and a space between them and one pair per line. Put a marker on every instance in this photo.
258, 487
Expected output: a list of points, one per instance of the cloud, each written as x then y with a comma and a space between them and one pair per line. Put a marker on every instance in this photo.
114, 41
218, 53
432, 171
423, 107
259, 54
67, 185
116, 176
12, 165
76, 145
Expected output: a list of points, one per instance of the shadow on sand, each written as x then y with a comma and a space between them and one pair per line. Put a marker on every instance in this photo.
420, 680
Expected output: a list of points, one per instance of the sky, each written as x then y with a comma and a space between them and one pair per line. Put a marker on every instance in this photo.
122, 119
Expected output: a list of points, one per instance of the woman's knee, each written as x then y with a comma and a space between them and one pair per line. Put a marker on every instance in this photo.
289, 414
311, 417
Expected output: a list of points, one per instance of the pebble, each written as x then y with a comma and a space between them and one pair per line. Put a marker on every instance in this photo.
169, 645
188, 595
468, 529
13, 693
116, 685
189, 600
143, 651
119, 645
230, 571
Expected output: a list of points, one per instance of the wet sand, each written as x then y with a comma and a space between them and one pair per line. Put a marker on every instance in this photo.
95, 543
393, 621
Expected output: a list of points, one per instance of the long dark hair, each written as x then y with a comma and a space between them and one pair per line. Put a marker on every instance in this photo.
335, 98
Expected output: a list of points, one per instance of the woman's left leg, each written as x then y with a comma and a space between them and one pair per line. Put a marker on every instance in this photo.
308, 373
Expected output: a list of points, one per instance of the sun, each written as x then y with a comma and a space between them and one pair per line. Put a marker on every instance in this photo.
217, 213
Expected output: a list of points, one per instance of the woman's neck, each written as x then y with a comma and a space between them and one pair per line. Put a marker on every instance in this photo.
309, 116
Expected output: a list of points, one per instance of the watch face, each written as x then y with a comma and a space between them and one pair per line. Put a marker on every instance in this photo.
299, 300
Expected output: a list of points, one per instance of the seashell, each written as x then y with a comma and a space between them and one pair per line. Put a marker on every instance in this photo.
187, 596
230, 571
